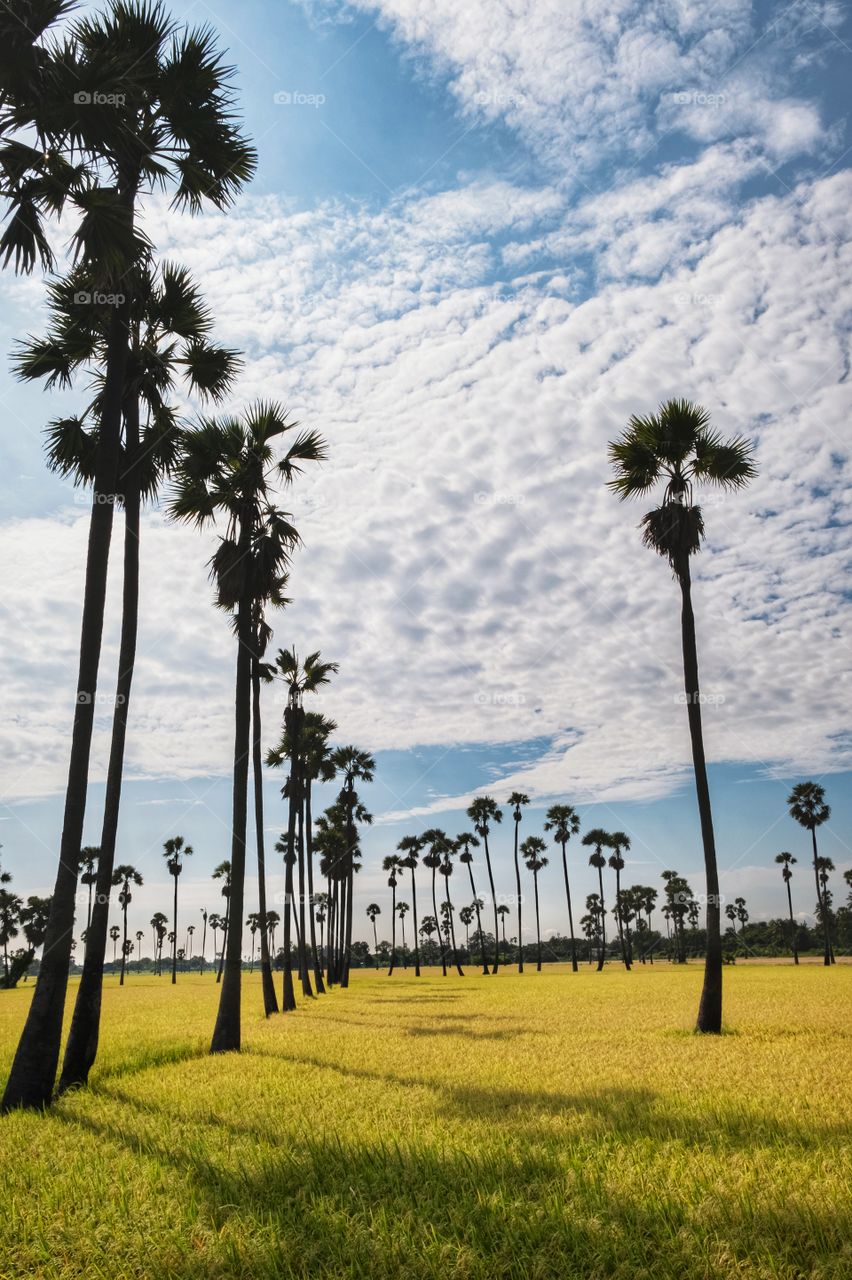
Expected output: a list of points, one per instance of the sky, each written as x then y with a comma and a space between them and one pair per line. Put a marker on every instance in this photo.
482, 236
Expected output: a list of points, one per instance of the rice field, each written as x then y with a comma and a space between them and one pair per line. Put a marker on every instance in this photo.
549, 1125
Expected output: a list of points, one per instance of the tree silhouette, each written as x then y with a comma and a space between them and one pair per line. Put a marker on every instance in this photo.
563, 821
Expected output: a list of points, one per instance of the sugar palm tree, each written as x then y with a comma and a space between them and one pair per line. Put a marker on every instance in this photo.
437, 843
503, 911
402, 910
318, 766
824, 913
428, 926
619, 841
223, 872
516, 802
174, 851
158, 921
786, 861
563, 821
677, 447
10, 910
139, 938
204, 917
124, 876
392, 865
465, 842
467, 915
532, 852
410, 848
173, 125
446, 869
597, 839
225, 470
354, 765
321, 915
89, 877
373, 912
252, 924
483, 812
807, 806
115, 934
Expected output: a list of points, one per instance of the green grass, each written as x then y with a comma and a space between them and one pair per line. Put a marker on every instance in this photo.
543, 1126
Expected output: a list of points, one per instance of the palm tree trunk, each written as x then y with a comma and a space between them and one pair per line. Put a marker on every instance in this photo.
570, 915
438, 924
621, 940
414, 913
792, 925
404, 954
203, 946
225, 924
602, 955
452, 929
33, 1073
537, 924
307, 989
496, 965
174, 938
393, 930
478, 917
226, 1033
650, 940
329, 962
123, 948
710, 1008
270, 1000
518, 886
309, 855
82, 1047
821, 901
350, 886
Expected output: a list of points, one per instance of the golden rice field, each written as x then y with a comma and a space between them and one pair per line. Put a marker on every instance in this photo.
540, 1126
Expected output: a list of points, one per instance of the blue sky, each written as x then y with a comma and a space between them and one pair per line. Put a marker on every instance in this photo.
480, 237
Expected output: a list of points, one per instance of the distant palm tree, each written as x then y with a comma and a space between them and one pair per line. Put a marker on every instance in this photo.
437, 842
115, 934
598, 840
677, 446
139, 936
216, 923
393, 866
204, 918
807, 806
174, 850
465, 842
410, 847
563, 821
125, 876
786, 861
532, 852
89, 876
483, 811
467, 915
321, 915
402, 911
223, 872
373, 911
503, 911
317, 756
516, 801
825, 866
355, 765
428, 926
446, 870
618, 841
158, 922
731, 913
252, 924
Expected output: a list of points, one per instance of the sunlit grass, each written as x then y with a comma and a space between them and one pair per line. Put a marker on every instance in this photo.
548, 1125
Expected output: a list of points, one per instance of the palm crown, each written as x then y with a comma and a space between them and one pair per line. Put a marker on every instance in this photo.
563, 821
807, 806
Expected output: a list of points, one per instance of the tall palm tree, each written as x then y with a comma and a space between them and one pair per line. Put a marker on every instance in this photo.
465, 842
824, 866
299, 678
174, 851
619, 841
321, 915
503, 911
89, 877
252, 924
446, 869
807, 806
467, 915
354, 765
226, 469
563, 821
532, 852
786, 861
158, 922
373, 912
173, 125
410, 847
139, 938
393, 866
648, 896
437, 843
318, 767
223, 872
597, 839
483, 811
115, 934
402, 910
124, 876
516, 802
678, 447
204, 917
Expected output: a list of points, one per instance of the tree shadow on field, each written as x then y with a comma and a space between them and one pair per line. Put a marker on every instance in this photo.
324, 1207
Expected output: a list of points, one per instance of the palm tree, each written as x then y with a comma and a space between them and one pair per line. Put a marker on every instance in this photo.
467, 915
437, 843
115, 934
446, 870
393, 866
124, 876
158, 921
532, 852
373, 911
174, 850
318, 767
226, 469
807, 806
252, 924
563, 821
483, 811
354, 765
321, 915
428, 926
618, 841
465, 842
598, 840
824, 913
173, 125
402, 911
204, 918
89, 877
139, 936
786, 861
678, 447
10, 909
223, 872
516, 801
648, 899
503, 911
216, 923
411, 847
